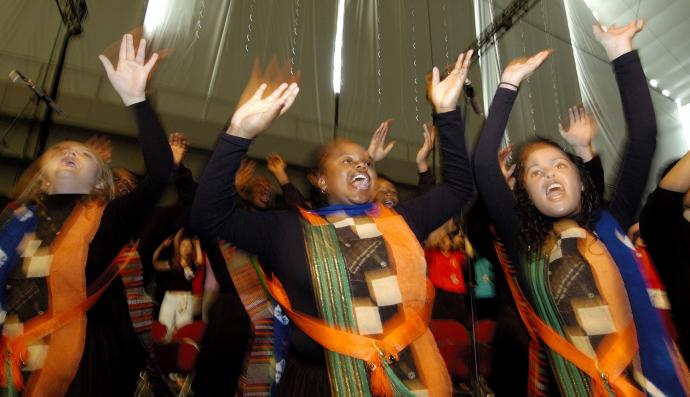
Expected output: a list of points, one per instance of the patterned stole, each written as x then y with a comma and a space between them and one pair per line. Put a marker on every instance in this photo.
585, 302
139, 303
65, 321
369, 279
582, 314
264, 360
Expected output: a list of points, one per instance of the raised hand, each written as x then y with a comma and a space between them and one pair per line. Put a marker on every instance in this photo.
131, 73
581, 131
519, 69
178, 146
378, 150
255, 115
444, 94
506, 169
102, 147
617, 40
276, 166
426, 148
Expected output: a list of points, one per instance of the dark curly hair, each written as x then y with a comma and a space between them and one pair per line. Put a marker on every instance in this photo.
535, 227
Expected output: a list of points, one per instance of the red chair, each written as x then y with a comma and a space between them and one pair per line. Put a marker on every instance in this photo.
453, 342
179, 354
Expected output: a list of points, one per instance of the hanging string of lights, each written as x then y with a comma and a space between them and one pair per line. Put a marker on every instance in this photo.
552, 64
528, 85
414, 64
249, 25
294, 34
379, 52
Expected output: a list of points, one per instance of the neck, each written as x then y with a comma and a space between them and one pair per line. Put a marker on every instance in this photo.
68, 186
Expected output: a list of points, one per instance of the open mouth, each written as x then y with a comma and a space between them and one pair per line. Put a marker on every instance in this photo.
389, 203
360, 181
69, 162
554, 191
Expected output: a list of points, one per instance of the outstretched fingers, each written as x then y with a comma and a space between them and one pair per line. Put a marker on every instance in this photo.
289, 97
141, 52
130, 55
151, 62
259, 93
277, 93
122, 55
107, 65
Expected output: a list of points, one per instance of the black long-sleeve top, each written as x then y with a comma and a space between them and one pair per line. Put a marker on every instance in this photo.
108, 364
277, 238
641, 122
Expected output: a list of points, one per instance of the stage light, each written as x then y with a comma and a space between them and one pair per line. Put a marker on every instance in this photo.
654, 83
156, 12
666, 93
338, 48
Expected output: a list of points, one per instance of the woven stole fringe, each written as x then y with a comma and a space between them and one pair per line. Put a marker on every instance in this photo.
257, 374
579, 383
139, 303
348, 376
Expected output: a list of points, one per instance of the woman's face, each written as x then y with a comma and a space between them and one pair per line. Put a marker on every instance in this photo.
261, 192
69, 167
552, 181
347, 175
386, 193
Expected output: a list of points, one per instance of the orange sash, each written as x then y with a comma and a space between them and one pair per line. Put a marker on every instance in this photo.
616, 351
64, 323
409, 327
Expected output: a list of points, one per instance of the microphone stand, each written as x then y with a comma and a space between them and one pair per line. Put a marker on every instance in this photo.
479, 386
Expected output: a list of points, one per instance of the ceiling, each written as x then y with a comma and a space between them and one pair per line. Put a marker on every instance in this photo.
389, 46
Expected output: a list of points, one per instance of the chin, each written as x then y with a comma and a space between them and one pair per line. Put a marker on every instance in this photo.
557, 211
360, 199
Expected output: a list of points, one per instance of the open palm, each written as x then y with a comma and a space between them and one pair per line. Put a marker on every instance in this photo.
130, 74
444, 94
521, 68
255, 115
378, 149
617, 40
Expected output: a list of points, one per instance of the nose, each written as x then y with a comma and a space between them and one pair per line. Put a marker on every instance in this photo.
361, 165
550, 173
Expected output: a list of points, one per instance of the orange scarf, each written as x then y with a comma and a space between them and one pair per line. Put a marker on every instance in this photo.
64, 324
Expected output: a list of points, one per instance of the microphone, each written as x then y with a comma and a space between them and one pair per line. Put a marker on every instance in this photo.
469, 93
17, 75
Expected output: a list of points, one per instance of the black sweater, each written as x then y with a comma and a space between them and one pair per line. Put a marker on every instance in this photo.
641, 122
107, 366
277, 238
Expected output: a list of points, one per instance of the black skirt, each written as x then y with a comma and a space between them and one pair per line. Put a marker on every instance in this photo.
303, 378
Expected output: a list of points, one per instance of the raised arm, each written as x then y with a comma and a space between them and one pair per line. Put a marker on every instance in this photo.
214, 213
129, 79
378, 148
639, 117
277, 167
426, 177
430, 210
493, 189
